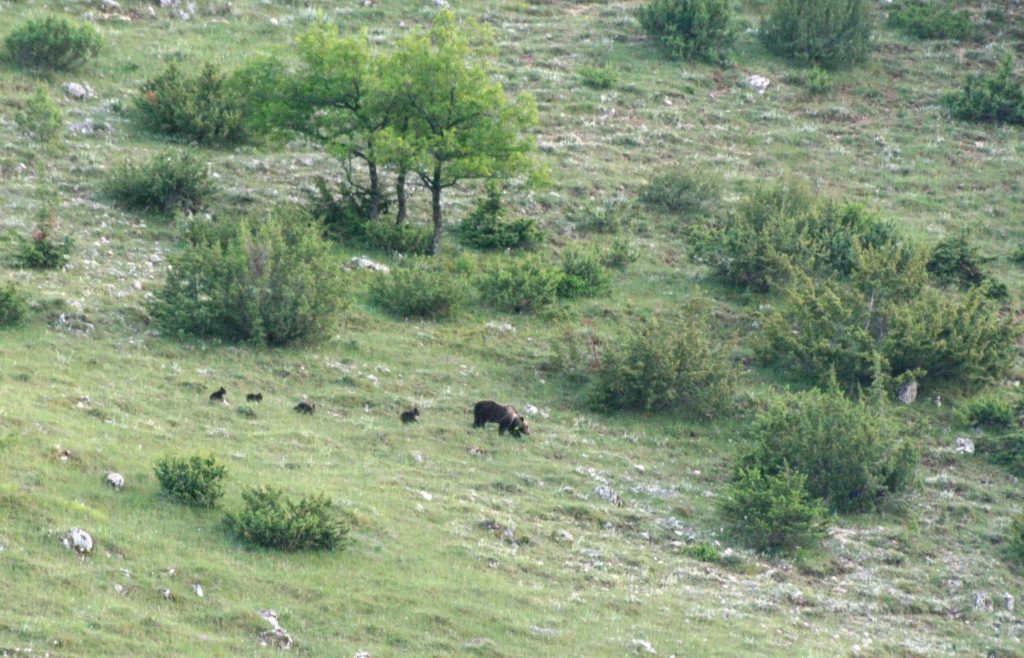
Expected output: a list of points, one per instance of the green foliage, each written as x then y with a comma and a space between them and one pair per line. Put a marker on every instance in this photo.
772, 512
41, 118
1015, 541
419, 289
12, 305
194, 107
688, 28
52, 43
832, 34
664, 365
520, 284
619, 254
928, 20
1006, 450
955, 261
194, 480
989, 412
486, 228
994, 97
344, 215
597, 77
269, 519
702, 552
408, 239
818, 82
43, 250
582, 274
683, 191
167, 182
271, 281
610, 216
848, 451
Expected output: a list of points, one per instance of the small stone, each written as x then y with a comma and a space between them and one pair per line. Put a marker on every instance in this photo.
110, 5
1008, 601
563, 536
476, 452
607, 494
759, 83
115, 480
426, 496
643, 646
120, 589
198, 589
79, 540
908, 392
167, 594
76, 91
982, 602
640, 468
964, 446
364, 263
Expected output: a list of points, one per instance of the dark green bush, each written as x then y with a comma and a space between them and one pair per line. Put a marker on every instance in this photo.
408, 239
41, 117
199, 107
194, 480
955, 261
1006, 450
521, 284
817, 81
989, 412
269, 519
928, 20
683, 191
53, 43
688, 28
345, 214
166, 182
269, 281
597, 77
664, 365
486, 227
582, 274
773, 512
702, 552
12, 305
619, 255
849, 451
995, 97
422, 288
832, 34
1015, 541
43, 250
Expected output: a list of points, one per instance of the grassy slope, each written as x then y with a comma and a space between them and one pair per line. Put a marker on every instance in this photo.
422, 577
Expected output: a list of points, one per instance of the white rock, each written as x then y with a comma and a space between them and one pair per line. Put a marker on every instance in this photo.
563, 536
79, 540
1008, 601
364, 263
758, 82
964, 446
76, 91
531, 410
425, 495
276, 636
115, 480
908, 392
198, 589
110, 5
644, 646
500, 327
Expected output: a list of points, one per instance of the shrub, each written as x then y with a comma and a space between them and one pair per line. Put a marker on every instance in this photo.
688, 28
198, 108
166, 182
1006, 450
702, 552
485, 227
605, 216
955, 261
818, 82
12, 305
53, 43
668, 365
989, 412
773, 512
995, 97
583, 274
41, 118
423, 288
619, 255
597, 77
832, 34
270, 520
929, 21
269, 281
683, 191
1015, 541
848, 451
408, 239
194, 480
343, 215
522, 284
42, 250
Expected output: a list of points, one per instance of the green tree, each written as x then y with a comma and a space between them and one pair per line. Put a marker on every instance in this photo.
460, 125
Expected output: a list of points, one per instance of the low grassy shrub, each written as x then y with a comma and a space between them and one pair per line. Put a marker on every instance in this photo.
164, 183
992, 412
597, 77
688, 28
422, 288
196, 107
1006, 450
408, 239
1015, 541
773, 513
270, 520
486, 227
619, 254
682, 191
521, 284
43, 250
664, 365
41, 118
194, 480
53, 43
929, 20
344, 214
848, 451
13, 305
955, 261
269, 281
817, 81
996, 97
702, 552
832, 34
582, 274
610, 216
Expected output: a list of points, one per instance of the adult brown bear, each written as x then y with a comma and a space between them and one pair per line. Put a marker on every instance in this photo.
505, 415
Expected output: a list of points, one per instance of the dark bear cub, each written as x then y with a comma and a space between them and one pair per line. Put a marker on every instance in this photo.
305, 408
218, 395
254, 397
505, 415
411, 416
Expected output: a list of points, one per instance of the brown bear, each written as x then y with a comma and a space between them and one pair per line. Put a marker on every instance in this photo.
411, 416
305, 407
505, 415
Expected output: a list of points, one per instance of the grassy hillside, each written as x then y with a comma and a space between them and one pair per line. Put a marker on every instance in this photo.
431, 569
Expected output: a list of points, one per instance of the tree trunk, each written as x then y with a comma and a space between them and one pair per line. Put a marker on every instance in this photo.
400, 193
374, 190
435, 198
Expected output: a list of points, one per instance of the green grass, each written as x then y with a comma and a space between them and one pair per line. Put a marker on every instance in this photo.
423, 577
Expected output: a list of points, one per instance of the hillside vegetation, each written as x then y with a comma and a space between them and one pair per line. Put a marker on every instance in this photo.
704, 260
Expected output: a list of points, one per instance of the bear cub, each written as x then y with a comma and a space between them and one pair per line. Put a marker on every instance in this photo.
218, 395
305, 408
505, 415
411, 416
254, 397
